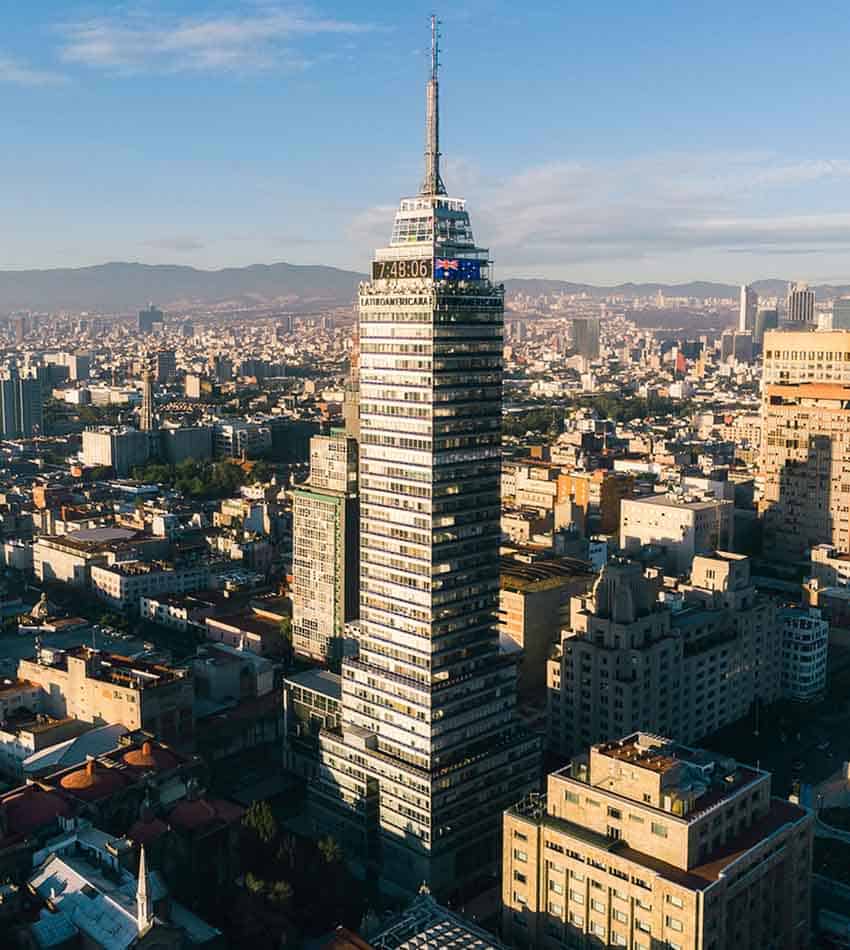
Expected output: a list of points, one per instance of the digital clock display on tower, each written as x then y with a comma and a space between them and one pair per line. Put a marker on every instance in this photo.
400, 270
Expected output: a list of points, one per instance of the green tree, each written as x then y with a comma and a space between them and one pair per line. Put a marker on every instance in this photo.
261, 821
254, 884
330, 850
280, 893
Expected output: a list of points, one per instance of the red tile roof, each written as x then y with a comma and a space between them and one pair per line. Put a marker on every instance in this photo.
29, 808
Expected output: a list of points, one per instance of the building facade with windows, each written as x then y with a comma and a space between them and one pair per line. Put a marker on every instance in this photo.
805, 468
429, 750
629, 662
643, 843
325, 540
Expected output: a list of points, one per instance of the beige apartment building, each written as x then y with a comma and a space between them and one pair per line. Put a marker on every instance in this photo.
679, 526
629, 662
805, 467
103, 688
534, 605
122, 585
643, 843
806, 356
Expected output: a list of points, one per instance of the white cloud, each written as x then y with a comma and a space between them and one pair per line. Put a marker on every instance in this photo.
247, 42
13, 71
181, 244
647, 213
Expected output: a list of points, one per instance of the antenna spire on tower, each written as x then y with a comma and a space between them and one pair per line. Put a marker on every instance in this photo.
433, 183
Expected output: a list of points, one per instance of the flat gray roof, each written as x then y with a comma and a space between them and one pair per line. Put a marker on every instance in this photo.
318, 681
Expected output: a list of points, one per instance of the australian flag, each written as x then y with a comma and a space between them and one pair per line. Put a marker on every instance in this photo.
456, 269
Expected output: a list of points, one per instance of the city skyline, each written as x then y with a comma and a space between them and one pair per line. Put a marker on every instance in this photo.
606, 170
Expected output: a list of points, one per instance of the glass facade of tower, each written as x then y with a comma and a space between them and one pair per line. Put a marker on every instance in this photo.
429, 752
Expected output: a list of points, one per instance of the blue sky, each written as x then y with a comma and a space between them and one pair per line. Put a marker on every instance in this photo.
603, 142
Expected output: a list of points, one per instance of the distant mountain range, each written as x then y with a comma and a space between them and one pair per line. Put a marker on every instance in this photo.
120, 287
701, 289
125, 287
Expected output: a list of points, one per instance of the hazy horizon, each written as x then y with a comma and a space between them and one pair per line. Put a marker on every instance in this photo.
598, 146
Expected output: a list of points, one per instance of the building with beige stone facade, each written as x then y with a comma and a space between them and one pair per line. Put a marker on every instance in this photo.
627, 661
534, 605
103, 688
806, 356
645, 844
805, 467
679, 526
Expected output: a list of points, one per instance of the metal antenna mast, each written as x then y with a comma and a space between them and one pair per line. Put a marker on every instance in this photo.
433, 184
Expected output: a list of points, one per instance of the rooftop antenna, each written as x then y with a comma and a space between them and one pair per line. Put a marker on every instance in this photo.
433, 183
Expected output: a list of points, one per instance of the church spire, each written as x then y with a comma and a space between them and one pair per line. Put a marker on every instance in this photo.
144, 904
433, 183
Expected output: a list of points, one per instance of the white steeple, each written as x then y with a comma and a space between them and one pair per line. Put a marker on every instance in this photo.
144, 904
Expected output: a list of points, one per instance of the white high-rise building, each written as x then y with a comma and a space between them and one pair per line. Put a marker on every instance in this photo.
429, 751
748, 309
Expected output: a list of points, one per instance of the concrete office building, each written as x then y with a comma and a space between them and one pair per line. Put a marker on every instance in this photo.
238, 440
186, 442
596, 497
800, 305
747, 309
118, 447
429, 751
21, 414
767, 318
679, 526
122, 585
166, 366
105, 688
841, 313
627, 661
644, 843
77, 364
804, 460
325, 542
586, 337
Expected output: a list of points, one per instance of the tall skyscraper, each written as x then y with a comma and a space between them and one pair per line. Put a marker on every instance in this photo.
166, 366
800, 304
429, 751
586, 337
748, 309
325, 536
21, 412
